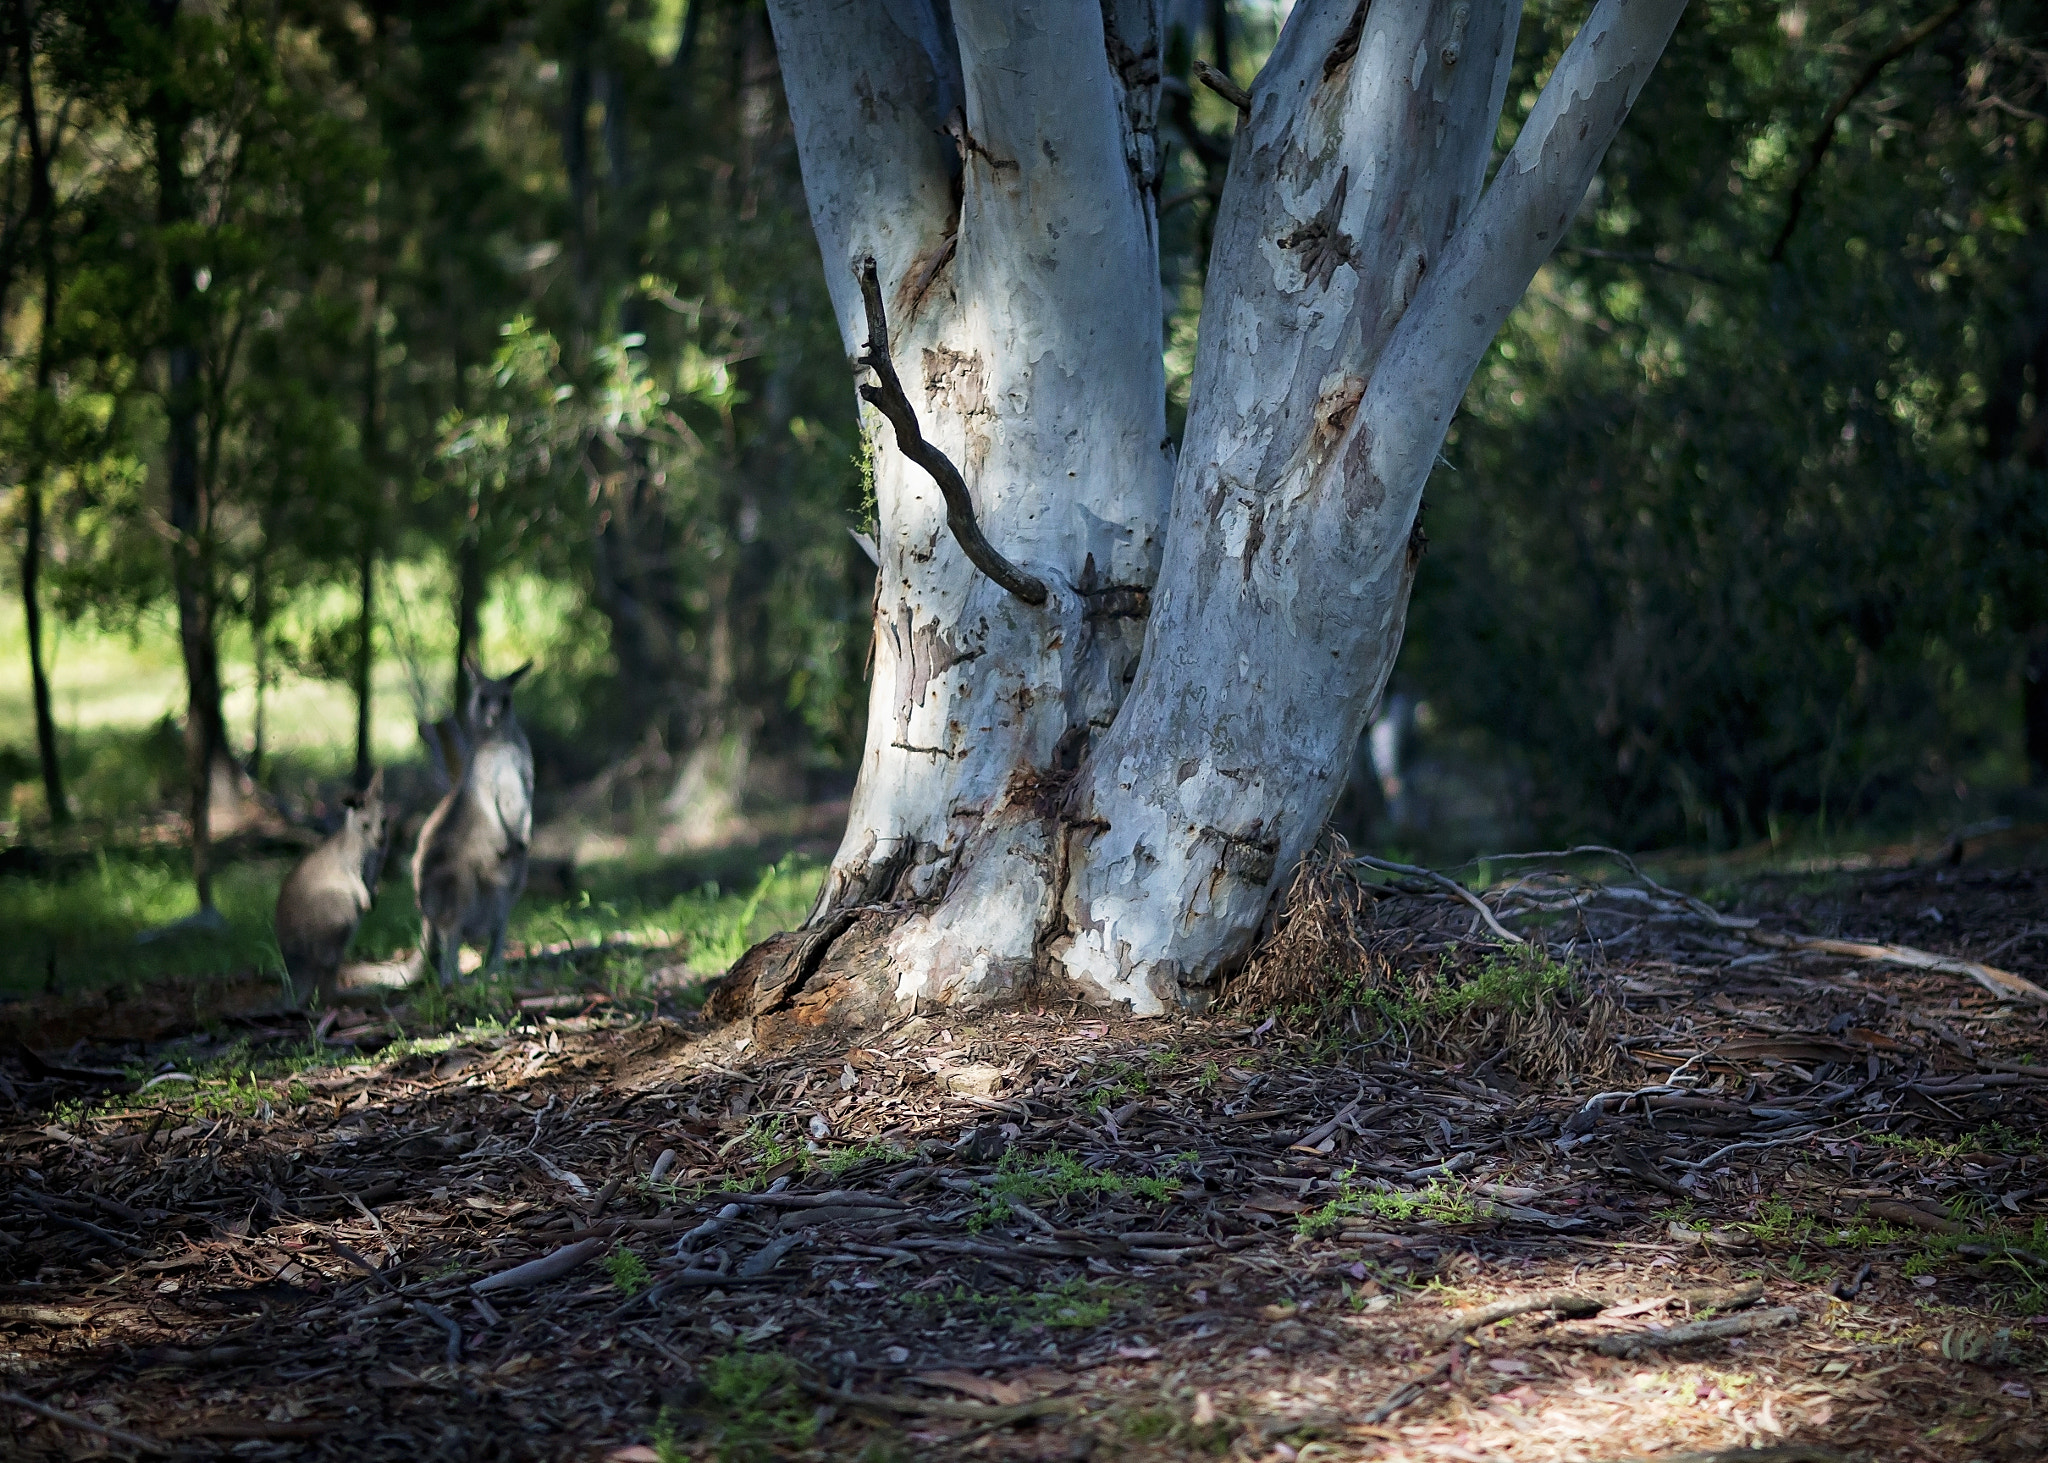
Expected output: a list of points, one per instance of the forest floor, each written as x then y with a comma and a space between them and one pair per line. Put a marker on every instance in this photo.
1046, 1234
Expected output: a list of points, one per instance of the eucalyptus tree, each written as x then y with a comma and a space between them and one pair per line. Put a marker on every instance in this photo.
1114, 687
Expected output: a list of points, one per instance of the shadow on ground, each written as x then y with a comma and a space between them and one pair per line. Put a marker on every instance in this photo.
1041, 1234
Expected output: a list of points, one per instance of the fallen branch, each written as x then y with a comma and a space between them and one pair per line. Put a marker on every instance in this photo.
1448, 885
66, 1419
539, 1272
2001, 983
1408, 1391
1628, 1343
942, 1406
836, 1198
42, 1316
1783, 1453
1566, 1303
448, 1325
889, 399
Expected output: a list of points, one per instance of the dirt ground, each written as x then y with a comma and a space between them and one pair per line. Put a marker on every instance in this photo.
1048, 1234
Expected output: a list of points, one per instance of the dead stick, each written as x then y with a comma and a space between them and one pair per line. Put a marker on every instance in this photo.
2001, 983
1450, 886
114, 1434
361, 1261
448, 1324
539, 1272
1224, 87
1631, 1342
1408, 1391
942, 1407
888, 398
1564, 1302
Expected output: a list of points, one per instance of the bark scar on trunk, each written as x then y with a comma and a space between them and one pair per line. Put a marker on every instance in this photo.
971, 146
889, 399
1323, 245
1347, 41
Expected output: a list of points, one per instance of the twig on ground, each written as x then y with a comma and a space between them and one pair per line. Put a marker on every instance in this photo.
539, 1272
66, 1419
448, 1324
943, 1406
1566, 1303
1628, 1343
1448, 885
1409, 1390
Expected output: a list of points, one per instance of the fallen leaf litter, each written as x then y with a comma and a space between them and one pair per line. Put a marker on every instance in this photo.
1788, 1197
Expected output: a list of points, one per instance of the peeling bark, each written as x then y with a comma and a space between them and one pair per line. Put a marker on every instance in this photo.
1020, 821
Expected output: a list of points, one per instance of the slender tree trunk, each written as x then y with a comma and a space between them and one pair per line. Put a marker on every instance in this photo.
469, 608
1022, 818
39, 680
43, 211
2034, 705
191, 554
366, 622
259, 645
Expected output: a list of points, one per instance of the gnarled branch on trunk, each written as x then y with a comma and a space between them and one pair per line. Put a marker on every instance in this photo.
889, 398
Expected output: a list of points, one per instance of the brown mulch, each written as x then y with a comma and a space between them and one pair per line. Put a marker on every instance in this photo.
1041, 1234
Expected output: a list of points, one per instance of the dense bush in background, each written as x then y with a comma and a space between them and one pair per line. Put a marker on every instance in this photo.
509, 330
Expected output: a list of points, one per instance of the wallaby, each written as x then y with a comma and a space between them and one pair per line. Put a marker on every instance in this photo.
470, 865
325, 896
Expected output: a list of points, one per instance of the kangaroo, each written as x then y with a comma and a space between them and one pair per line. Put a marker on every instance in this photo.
325, 895
470, 865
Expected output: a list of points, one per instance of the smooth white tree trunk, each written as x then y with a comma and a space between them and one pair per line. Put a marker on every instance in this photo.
1020, 818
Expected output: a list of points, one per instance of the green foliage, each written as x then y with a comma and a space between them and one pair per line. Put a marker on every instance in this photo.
1505, 980
841, 1161
1073, 1304
1057, 1175
756, 1406
1728, 545
1440, 1203
628, 1271
86, 919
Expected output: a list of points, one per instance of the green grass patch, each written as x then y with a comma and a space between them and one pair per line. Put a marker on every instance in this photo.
753, 1410
1056, 1175
1073, 1304
1506, 979
1440, 1203
81, 926
841, 1161
628, 1271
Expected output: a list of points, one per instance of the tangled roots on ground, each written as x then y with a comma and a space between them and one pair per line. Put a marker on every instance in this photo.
1411, 968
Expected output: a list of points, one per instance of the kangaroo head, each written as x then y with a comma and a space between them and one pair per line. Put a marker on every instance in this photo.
490, 700
368, 815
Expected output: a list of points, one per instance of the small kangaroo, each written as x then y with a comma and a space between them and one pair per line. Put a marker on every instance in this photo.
325, 895
470, 865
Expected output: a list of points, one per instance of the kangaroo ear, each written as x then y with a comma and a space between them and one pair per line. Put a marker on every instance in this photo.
376, 788
513, 679
474, 671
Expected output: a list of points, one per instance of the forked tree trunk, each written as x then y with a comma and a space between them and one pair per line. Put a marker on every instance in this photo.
1020, 819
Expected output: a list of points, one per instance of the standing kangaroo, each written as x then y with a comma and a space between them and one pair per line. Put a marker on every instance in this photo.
325, 895
471, 861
